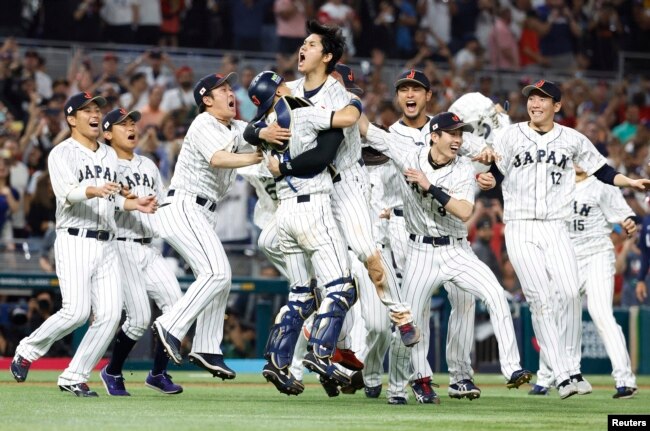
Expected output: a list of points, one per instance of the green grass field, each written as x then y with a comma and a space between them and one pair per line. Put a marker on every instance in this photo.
249, 403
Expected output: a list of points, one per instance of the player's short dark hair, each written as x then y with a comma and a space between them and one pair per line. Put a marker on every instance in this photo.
332, 40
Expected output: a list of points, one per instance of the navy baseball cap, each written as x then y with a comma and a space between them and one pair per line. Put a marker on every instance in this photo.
448, 121
80, 100
116, 116
209, 82
348, 78
413, 76
547, 87
262, 91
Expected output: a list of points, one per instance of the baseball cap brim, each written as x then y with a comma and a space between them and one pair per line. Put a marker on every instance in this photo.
410, 81
134, 115
99, 100
530, 88
463, 126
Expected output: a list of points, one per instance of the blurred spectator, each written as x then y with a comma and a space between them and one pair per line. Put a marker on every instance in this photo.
387, 114
530, 55
34, 65
18, 178
80, 72
180, 99
436, 23
138, 95
248, 16
604, 34
9, 201
629, 262
110, 74
502, 46
238, 337
245, 105
121, 18
87, 21
42, 208
55, 19
170, 140
625, 131
149, 21
171, 21
338, 12
152, 115
481, 246
558, 31
384, 28
485, 21
157, 67
464, 14
45, 128
469, 58
407, 23
290, 19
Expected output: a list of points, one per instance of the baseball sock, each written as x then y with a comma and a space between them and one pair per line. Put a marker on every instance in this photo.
121, 349
160, 360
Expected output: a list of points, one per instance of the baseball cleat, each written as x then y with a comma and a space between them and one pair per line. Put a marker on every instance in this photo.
114, 384
397, 401
162, 383
331, 386
19, 368
538, 390
214, 364
171, 344
584, 387
518, 378
347, 359
625, 392
464, 389
410, 334
423, 391
566, 389
79, 389
283, 380
325, 367
356, 384
372, 391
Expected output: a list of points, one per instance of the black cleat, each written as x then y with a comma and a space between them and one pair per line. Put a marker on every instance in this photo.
331, 386
19, 368
80, 390
397, 401
325, 368
356, 384
214, 364
518, 378
282, 379
171, 344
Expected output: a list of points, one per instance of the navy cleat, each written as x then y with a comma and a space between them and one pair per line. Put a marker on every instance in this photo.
397, 401
79, 389
625, 392
518, 378
464, 389
171, 344
356, 384
325, 368
114, 384
423, 391
214, 364
373, 391
19, 368
162, 383
410, 334
538, 390
283, 380
330, 386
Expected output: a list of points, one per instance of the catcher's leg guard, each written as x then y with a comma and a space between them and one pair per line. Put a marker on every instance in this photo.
329, 319
288, 323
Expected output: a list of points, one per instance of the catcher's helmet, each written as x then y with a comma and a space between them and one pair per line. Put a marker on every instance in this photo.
262, 91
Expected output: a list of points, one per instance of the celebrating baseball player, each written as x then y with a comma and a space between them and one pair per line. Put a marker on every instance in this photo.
143, 269
438, 198
537, 158
307, 233
84, 179
595, 208
213, 148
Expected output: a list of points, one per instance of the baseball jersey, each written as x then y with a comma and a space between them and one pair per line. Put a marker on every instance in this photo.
423, 214
142, 177
205, 137
306, 123
539, 176
267, 198
334, 96
72, 165
595, 208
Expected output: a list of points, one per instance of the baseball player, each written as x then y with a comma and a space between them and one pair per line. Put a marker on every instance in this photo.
212, 149
595, 208
84, 179
307, 233
438, 198
537, 159
143, 269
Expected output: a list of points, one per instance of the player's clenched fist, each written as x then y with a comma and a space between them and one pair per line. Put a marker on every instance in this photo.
104, 191
486, 181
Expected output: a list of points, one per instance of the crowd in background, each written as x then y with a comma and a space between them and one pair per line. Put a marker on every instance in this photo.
462, 35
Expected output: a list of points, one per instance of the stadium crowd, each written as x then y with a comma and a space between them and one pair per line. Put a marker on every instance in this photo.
449, 40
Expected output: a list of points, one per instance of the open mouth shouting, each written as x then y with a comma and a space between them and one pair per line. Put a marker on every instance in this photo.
411, 108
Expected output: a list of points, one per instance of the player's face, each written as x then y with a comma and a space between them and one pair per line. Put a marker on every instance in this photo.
541, 109
85, 122
222, 102
310, 55
446, 145
412, 100
124, 135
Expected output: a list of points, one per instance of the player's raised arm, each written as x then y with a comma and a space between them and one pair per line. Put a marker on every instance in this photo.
458, 207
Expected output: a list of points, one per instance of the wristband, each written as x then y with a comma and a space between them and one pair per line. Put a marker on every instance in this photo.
285, 168
357, 104
439, 195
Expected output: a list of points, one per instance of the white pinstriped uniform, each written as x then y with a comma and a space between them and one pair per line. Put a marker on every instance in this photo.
538, 190
191, 229
145, 274
595, 208
350, 196
260, 178
428, 267
87, 268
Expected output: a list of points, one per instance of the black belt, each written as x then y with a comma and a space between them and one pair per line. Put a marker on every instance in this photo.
303, 198
433, 240
199, 200
336, 178
138, 240
398, 212
99, 235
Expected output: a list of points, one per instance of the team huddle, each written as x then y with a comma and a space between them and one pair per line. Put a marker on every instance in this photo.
365, 223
